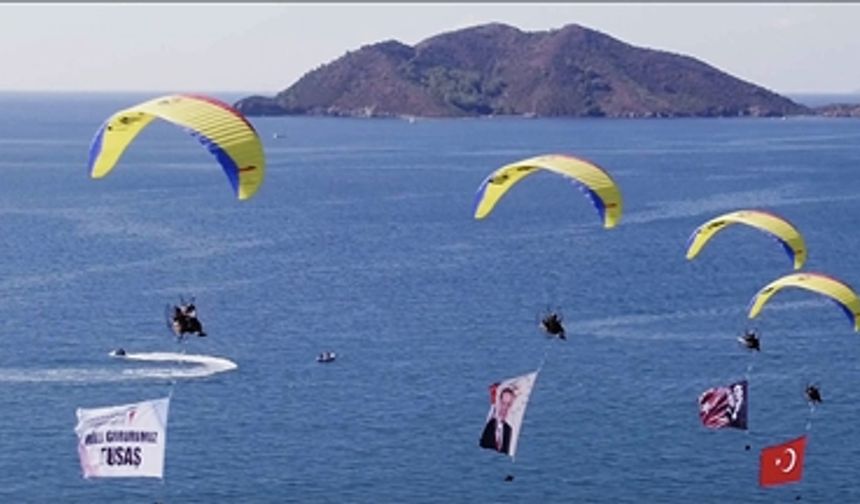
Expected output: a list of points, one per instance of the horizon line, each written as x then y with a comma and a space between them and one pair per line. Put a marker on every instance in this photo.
272, 93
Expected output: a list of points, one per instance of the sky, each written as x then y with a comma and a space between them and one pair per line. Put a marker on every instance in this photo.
264, 48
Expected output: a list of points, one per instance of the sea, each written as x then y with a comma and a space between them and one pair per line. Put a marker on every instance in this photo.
362, 241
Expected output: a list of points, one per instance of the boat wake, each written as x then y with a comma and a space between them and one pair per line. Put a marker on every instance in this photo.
183, 366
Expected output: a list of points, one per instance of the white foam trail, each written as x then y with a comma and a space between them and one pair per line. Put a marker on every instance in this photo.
631, 326
190, 366
207, 365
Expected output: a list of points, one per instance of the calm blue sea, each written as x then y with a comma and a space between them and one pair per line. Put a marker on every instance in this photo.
362, 241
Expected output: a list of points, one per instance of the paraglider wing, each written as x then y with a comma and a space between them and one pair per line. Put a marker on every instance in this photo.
218, 126
782, 230
834, 289
591, 179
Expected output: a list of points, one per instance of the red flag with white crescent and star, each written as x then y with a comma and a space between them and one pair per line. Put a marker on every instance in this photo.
782, 463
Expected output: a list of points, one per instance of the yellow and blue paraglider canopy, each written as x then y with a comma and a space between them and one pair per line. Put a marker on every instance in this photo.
782, 230
591, 179
828, 286
218, 126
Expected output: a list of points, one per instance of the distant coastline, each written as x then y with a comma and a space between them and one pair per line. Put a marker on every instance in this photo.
819, 104
813, 100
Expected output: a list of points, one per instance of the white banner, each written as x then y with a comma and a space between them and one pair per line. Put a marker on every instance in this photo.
508, 401
123, 441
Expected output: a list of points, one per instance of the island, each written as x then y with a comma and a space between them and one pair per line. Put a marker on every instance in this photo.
499, 70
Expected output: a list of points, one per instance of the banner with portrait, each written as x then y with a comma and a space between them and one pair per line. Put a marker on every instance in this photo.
508, 401
727, 406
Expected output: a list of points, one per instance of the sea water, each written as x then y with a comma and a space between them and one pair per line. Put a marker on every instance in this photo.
362, 241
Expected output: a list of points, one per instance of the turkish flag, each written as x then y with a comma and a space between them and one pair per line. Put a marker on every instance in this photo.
782, 463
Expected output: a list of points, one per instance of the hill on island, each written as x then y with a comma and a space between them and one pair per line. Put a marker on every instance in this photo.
496, 69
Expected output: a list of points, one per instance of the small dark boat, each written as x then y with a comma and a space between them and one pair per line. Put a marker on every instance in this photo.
326, 357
